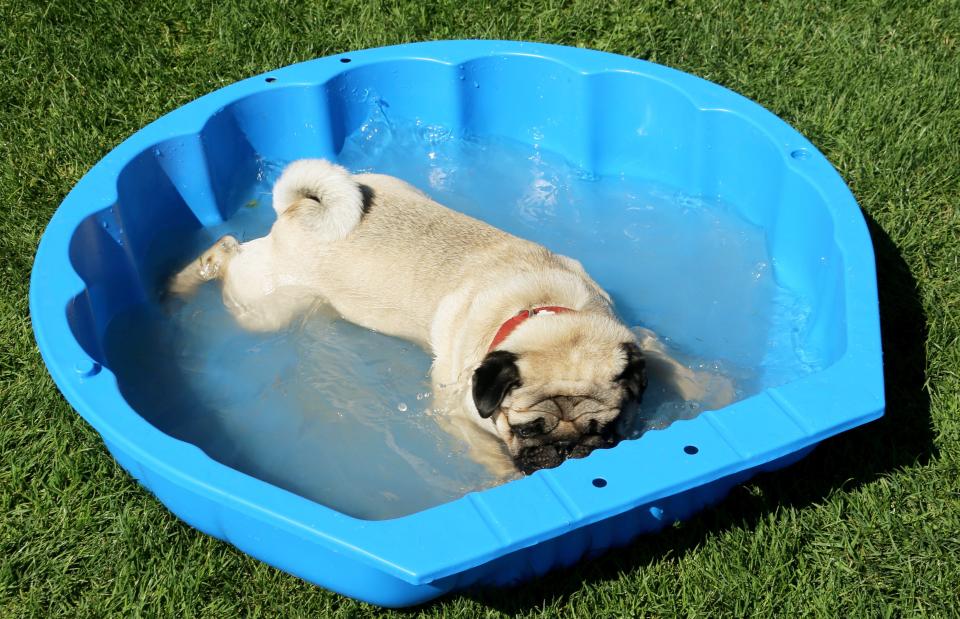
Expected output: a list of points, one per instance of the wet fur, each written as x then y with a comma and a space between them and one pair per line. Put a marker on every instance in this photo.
387, 257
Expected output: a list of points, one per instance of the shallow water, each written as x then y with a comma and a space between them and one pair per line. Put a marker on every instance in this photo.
344, 416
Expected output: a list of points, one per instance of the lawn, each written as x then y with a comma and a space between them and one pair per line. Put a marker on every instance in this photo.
868, 525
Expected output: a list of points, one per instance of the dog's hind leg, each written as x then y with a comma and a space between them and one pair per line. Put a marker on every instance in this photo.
267, 282
210, 265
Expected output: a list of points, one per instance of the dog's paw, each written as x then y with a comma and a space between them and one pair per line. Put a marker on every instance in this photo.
210, 265
504, 470
183, 283
214, 260
720, 391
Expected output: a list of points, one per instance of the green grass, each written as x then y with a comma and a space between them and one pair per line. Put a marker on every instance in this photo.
868, 525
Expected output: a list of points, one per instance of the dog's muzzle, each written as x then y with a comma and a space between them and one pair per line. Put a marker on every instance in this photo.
537, 457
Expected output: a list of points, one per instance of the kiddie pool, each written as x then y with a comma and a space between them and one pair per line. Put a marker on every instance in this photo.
606, 113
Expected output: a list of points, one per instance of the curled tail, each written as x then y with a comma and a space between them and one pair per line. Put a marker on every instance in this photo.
320, 194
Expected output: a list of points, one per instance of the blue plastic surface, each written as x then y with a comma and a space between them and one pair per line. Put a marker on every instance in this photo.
606, 113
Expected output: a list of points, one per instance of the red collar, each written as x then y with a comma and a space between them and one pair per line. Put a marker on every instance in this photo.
508, 327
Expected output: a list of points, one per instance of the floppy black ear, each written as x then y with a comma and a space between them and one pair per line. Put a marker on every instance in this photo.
493, 380
633, 378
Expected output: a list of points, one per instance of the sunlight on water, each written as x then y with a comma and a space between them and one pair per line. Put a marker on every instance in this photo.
344, 416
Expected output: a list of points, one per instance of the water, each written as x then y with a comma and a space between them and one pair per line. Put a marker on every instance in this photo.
344, 416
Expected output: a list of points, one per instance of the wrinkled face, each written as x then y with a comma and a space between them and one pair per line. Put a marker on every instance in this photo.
552, 398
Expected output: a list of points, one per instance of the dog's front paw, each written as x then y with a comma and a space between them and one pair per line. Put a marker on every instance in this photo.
713, 391
720, 391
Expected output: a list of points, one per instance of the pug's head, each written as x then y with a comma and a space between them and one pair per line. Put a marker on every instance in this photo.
559, 387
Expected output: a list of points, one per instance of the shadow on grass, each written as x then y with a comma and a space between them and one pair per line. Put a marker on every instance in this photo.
903, 437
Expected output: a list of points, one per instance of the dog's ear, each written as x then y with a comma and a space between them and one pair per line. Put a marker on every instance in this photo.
493, 380
633, 378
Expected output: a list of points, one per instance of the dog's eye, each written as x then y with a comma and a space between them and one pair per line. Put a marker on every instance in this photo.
594, 427
528, 430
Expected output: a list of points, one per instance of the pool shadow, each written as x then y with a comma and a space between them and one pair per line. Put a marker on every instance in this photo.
902, 438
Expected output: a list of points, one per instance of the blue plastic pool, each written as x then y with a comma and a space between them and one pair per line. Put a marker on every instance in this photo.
604, 113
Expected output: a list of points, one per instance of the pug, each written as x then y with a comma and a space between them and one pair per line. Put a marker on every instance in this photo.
530, 362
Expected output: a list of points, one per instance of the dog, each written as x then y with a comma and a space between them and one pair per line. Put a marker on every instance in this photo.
530, 360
